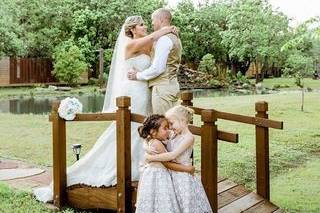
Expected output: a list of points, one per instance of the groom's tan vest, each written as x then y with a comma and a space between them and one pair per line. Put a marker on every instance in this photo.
173, 63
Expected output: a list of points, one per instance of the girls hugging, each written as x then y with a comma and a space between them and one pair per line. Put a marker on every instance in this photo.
167, 183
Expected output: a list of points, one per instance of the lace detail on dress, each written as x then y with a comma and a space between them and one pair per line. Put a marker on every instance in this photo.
155, 191
189, 190
185, 157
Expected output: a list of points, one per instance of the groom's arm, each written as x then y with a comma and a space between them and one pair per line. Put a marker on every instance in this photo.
162, 50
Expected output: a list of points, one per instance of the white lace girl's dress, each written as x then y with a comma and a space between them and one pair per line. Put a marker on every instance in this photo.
155, 190
189, 190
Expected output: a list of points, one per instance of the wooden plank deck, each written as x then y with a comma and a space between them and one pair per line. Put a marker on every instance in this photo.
232, 198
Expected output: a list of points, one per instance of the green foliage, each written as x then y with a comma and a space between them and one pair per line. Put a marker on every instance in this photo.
215, 83
207, 65
302, 53
242, 79
107, 59
10, 43
36, 28
254, 31
236, 33
16, 201
299, 66
200, 28
93, 81
69, 63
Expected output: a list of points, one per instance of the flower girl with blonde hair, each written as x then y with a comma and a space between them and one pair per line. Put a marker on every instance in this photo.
155, 190
189, 191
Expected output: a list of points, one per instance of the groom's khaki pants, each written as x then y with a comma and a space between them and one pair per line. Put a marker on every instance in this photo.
164, 97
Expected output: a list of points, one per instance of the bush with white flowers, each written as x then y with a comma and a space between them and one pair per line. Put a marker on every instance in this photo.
69, 107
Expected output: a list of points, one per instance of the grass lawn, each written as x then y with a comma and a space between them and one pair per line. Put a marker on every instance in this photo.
293, 150
289, 83
299, 190
14, 201
16, 92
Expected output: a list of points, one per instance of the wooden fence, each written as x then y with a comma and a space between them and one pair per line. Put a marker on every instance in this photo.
31, 70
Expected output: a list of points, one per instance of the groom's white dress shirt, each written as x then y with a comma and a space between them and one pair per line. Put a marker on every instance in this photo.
159, 63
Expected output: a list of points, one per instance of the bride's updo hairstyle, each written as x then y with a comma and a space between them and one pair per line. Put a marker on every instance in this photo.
182, 113
130, 23
152, 122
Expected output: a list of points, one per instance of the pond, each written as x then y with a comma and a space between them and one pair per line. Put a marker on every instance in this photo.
91, 103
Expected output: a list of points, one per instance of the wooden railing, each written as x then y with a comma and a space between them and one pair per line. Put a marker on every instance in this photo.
262, 125
208, 132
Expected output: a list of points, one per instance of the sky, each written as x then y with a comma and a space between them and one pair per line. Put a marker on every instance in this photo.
298, 10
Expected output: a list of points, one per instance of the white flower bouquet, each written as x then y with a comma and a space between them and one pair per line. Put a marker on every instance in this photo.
69, 107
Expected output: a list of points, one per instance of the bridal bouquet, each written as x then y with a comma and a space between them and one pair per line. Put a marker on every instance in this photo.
69, 107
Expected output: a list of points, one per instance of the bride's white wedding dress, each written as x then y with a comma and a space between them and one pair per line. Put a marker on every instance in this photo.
98, 166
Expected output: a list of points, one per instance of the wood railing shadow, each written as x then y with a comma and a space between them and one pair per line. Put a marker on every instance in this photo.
208, 131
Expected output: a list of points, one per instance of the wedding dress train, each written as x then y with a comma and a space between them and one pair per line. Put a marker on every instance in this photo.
98, 166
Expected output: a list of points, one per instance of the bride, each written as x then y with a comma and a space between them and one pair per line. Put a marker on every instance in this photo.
98, 166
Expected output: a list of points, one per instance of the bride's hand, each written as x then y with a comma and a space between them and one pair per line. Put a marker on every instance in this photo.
171, 29
175, 30
132, 74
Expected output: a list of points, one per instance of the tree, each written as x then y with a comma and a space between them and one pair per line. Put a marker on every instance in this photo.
10, 43
32, 28
69, 63
254, 32
200, 29
300, 61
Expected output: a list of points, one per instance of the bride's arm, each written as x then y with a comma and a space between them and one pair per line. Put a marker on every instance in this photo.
135, 45
170, 165
168, 156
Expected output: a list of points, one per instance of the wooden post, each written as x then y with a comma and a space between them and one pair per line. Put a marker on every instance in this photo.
123, 119
59, 157
186, 97
101, 61
209, 157
262, 153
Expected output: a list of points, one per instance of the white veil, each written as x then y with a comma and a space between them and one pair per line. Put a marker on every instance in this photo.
117, 74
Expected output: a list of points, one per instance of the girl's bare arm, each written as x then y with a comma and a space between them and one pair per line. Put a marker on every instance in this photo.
168, 156
170, 165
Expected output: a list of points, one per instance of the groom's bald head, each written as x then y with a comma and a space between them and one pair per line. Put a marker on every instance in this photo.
160, 18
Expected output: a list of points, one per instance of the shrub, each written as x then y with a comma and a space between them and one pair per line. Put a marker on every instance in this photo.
69, 63
93, 81
215, 83
207, 65
107, 59
242, 79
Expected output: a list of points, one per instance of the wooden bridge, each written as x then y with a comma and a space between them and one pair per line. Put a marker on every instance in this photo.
224, 195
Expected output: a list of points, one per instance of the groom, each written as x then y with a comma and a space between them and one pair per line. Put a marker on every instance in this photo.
162, 74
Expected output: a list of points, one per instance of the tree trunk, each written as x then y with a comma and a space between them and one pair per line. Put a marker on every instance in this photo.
256, 71
302, 98
101, 62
